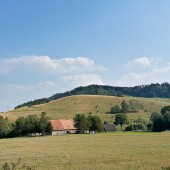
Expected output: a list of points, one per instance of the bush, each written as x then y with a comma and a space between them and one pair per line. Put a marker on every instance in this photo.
136, 127
115, 109
17, 165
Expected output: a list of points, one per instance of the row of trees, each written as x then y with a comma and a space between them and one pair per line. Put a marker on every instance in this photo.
91, 123
23, 126
32, 103
125, 107
152, 90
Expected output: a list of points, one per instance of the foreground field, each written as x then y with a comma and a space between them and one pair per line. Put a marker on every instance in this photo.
131, 151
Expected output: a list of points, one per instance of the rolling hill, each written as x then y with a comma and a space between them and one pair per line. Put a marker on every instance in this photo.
148, 91
67, 107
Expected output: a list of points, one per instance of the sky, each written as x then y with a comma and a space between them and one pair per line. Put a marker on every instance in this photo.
47, 47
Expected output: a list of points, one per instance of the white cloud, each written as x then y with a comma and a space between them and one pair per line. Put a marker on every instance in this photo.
157, 73
143, 62
45, 64
15, 94
33, 77
83, 79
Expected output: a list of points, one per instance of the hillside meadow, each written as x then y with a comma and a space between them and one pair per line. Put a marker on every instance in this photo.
67, 107
120, 150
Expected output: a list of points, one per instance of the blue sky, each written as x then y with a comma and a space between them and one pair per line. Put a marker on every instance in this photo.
52, 46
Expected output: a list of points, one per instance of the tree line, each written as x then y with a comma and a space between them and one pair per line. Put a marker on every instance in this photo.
152, 90
23, 126
32, 103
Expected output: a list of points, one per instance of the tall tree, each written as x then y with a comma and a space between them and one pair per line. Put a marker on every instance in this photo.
5, 127
125, 106
95, 123
44, 124
32, 122
157, 121
121, 118
81, 123
166, 120
165, 109
20, 127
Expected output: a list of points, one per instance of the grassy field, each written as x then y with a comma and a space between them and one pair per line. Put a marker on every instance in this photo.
108, 151
67, 107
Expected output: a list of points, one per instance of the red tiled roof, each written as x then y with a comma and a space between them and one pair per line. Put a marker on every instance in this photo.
63, 124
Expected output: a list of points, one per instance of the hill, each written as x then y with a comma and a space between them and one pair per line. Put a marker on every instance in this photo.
67, 107
148, 91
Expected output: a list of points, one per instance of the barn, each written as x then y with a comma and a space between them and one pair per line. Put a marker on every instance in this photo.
110, 127
63, 126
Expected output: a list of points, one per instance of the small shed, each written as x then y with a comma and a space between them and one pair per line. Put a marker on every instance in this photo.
63, 126
110, 127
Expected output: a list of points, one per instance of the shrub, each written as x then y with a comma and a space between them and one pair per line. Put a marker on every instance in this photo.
136, 127
17, 165
115, 109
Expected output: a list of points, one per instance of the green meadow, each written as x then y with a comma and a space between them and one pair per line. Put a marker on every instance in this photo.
67, 107
108, 151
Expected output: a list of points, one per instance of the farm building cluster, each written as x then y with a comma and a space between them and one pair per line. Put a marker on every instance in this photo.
66, 126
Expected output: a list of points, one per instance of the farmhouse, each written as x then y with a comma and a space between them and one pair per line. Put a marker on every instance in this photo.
63, 126
109, 127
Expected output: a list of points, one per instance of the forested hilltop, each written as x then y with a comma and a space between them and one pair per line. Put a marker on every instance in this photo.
149, 91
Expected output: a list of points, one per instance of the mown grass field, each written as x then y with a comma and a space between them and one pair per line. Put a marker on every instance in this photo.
108, 151
67, 107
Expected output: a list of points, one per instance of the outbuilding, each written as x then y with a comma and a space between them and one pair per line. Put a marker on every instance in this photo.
110, 127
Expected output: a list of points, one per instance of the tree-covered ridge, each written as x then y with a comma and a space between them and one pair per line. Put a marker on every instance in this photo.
150, 91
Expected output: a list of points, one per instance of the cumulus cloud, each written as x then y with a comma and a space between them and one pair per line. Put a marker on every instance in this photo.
32, 77
157, 73
45, 64
83, 79
143, 62
15, 94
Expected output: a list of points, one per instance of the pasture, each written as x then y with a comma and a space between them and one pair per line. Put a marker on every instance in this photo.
108, 151
67, 107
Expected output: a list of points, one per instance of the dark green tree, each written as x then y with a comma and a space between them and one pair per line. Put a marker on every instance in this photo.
5, 127
81, 123
125, 106
20, 127
165, 109
157, 121
95, 123
44, 124
115, 109
121, 118
32, 124
166, 121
